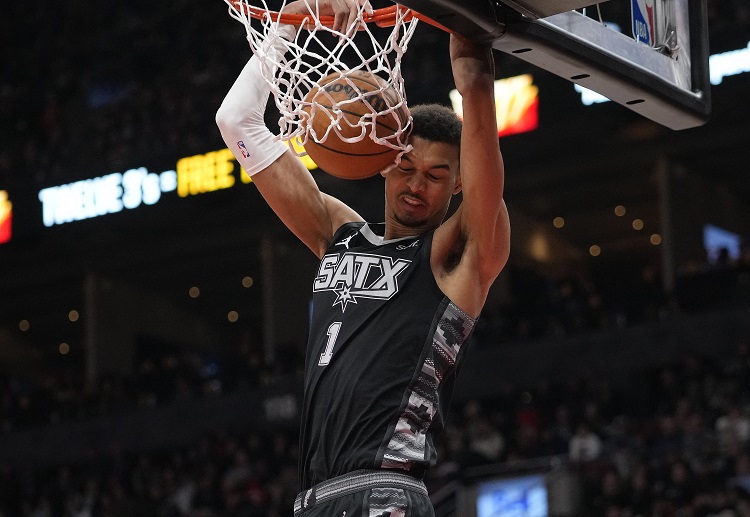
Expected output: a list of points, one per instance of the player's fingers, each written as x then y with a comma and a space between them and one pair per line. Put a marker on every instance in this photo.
341, 10
365, 8
345, 14
349, 11
351, 24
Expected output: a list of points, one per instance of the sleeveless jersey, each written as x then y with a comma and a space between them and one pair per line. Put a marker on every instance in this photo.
382, 356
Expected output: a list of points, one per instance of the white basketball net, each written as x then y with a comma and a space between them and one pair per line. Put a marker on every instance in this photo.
317, 51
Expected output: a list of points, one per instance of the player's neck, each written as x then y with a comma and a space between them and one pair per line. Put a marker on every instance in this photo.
397, 230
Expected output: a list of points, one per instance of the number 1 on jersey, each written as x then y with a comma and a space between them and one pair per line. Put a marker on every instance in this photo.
333, 333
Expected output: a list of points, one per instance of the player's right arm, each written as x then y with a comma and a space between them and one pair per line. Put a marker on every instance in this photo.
281, 178
313, 216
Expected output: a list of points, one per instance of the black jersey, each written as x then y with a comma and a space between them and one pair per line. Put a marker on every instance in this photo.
382, 355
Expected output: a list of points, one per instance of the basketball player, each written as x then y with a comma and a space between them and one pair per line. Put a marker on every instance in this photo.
395, 302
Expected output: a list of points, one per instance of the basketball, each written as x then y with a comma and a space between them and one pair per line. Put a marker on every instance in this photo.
335, 156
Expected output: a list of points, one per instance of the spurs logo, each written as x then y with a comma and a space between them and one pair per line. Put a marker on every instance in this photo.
359, 275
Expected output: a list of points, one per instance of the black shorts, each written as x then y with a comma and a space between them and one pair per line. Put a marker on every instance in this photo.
366, 493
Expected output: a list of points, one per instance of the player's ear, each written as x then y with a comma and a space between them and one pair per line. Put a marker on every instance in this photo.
457, 186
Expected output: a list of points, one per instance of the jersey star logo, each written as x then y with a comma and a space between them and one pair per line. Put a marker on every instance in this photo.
343, 296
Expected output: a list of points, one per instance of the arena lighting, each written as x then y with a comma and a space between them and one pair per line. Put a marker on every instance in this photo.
516, 102
539, 247
104, 195
715, 238
589, 97
112, 193
721, 65
729, 63
522, 495
206, 173
6, 217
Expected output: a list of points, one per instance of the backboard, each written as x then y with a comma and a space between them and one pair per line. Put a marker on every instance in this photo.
658, 68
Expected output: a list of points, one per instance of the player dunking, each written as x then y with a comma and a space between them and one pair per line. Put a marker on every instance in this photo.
395, 302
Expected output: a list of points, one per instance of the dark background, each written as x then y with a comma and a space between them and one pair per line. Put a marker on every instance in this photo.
88, 89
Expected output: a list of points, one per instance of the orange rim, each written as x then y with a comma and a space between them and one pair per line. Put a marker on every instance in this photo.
385, 17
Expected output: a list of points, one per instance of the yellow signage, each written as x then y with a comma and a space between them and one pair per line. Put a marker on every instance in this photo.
205, 173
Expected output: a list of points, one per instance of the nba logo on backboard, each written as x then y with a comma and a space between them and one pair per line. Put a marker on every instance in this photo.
644, 22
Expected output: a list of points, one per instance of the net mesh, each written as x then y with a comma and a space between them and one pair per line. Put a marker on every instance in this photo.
316, 51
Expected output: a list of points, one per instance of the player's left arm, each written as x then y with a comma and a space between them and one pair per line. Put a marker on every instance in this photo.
479, 231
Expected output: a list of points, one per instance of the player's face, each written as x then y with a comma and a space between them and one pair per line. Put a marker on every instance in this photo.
418, 190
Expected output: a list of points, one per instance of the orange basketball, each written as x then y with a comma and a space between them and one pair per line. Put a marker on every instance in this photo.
356, 160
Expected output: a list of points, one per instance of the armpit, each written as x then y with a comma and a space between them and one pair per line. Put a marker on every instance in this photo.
454, 256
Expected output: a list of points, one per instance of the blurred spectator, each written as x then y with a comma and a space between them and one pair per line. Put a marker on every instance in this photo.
485, 439
584, 445
732, 427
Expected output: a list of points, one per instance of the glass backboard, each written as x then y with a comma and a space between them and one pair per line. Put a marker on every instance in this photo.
657, 68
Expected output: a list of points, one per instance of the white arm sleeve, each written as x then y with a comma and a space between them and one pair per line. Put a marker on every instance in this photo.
240, 116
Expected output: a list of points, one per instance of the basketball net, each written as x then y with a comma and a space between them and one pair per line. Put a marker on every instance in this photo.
317, 51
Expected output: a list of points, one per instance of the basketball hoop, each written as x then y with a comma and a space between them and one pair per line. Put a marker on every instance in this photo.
317, 51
